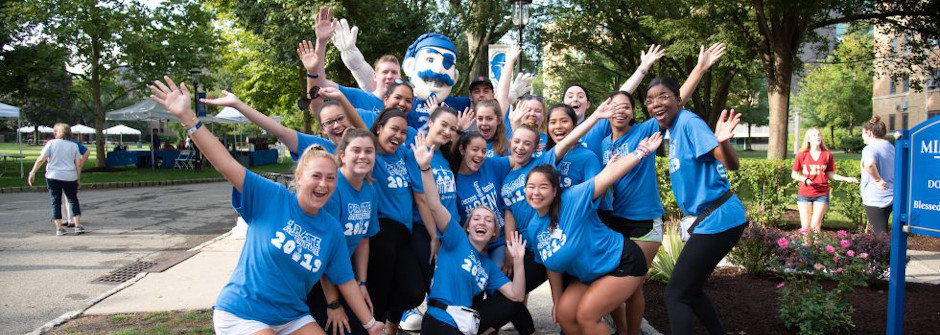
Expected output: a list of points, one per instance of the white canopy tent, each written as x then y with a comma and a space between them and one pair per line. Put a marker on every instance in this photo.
30, 129
82, 129
233, 116
147, 110
7, 111
121, 130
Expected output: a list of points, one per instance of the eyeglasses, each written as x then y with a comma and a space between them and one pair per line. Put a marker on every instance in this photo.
538, 98
303, 103
662, 98
331, 122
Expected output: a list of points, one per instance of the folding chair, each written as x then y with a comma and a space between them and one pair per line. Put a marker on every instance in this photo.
185, 160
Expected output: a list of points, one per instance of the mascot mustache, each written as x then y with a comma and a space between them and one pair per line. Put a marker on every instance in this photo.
428, 75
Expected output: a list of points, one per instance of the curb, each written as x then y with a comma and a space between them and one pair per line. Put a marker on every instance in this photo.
125, 184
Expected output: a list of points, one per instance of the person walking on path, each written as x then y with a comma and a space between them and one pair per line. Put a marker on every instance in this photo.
813, 167
877, 174
63, 174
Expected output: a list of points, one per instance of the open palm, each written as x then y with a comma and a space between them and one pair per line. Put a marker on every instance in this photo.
227, 99
649, 57
175, 99
708, 57
325, 24
423, 153
724, 129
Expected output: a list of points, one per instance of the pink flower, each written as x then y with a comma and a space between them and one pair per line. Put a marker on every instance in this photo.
845, 244
863, 255
842, 233
818, 266
835, 259
830, 249
780, 285
850, 253
839, 270
783, 242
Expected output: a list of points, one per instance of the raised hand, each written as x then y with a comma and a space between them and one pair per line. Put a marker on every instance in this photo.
605, 108
465, 118
512, 55
522, 84
516, 114
308, 56
708, 57
338, 321
175, 99
324, 24
227, 99
515, 246
431, 104
344, 38
649, 57
650, 144
724, 129
423, 153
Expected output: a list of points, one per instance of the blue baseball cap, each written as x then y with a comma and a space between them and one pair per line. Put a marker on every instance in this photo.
430, 40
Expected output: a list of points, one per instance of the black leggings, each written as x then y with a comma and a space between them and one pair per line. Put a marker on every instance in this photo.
316, 301
396, 282
684, 295
421, 247
495, 311
56, 187
878, 217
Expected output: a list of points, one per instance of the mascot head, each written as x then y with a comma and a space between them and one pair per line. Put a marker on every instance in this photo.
431, 66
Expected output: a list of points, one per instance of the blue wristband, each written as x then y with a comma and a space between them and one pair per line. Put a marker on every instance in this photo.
314, 76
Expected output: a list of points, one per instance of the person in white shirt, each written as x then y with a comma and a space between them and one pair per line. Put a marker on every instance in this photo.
63, 174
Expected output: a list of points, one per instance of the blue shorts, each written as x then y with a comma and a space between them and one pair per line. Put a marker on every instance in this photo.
822, 199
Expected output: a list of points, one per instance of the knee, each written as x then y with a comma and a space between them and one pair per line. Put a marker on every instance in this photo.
587, 316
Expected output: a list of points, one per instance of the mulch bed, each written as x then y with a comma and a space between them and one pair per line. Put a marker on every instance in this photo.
747, 304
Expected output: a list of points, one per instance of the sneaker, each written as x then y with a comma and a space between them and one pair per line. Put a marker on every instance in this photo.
79, 230
60, 232
508, 327
411, 320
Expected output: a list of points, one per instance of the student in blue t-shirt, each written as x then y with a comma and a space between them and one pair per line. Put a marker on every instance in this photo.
462, 272
698, 159
354, 203
579, 164
530, 109
569, 237
290, 242
489, 122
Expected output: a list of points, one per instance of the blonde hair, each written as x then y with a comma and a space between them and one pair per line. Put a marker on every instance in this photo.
66, 130
313, 152
386, 59
806, 145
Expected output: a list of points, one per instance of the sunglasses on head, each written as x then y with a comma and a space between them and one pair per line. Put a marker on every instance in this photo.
402, 82
538, 98
303, 103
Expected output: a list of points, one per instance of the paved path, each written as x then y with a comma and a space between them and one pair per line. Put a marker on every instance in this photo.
44, 276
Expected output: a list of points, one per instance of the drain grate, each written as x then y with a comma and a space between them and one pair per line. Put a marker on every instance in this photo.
125, 273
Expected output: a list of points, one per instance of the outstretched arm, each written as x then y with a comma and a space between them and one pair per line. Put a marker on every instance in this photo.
177, 101
344, 39
603, 111
515, 290
348, 109
619, 166
283, 134
706, 58
724, 131
647, 59
423, 155
502, 88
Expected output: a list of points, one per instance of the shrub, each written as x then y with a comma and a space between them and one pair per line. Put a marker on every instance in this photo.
665, 191
851, 259
668, 253
804, 305
848, 195
768, 183
852, 144
756, 252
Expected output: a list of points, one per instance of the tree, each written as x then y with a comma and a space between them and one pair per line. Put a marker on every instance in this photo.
838, 93
775, 30
37, 82
751, 103
480, 22
113, 41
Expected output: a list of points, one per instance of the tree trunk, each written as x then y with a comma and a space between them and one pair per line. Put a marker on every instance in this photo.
96, 96
478, 48
748, 143
778, 92
303, 91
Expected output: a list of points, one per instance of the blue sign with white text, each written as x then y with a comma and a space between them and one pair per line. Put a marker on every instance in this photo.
923, 200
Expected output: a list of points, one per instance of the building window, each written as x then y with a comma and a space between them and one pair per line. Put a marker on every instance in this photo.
894, 46
933, 114
891, 124
904, 121
894, 86
933, 82
906, 83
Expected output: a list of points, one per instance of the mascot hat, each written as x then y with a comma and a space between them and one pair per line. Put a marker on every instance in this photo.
430, 40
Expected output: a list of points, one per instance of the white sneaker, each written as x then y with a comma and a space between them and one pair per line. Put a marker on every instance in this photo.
508, 327
411, 320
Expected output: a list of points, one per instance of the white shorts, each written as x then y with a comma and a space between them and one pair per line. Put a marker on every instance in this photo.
226, 323
655, 234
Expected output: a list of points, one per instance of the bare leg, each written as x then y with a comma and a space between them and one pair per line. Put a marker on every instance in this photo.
309, 329
567, 308
601, 298
819, 214
636, 305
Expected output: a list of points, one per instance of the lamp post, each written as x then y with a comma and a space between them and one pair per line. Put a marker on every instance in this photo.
520, 17
195, 72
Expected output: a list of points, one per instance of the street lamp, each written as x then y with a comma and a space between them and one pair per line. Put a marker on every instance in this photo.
520, 17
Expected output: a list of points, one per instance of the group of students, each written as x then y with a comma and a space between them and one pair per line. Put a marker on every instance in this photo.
474, 212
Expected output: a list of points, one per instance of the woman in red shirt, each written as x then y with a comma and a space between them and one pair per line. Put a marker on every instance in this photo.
813, 167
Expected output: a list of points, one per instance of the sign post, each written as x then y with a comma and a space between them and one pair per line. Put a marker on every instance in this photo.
916, 205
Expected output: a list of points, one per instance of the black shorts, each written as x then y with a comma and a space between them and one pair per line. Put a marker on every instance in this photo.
629, 228
632, 261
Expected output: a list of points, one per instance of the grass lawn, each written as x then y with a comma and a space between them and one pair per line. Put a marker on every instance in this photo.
178, 322
11, 173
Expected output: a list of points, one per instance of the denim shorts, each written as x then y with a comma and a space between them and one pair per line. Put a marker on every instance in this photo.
822, 199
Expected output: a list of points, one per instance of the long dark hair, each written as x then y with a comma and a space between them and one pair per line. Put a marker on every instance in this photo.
384, 116
555, 208
457, 157
500, 142
629, 98
571, 114
447, 149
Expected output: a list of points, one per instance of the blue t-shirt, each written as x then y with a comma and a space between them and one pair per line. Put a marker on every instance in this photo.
355, 210
578, 165
446, 188
285, 253
595, 136
304, 141
418, 115
882, 154
580, 245
81, 148
698, 179
482, 188
636, 195
461, 273
361, 99
369, 117
491, 153
397, 175
513, 192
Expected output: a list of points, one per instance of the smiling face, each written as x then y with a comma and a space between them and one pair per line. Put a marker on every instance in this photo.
481, 92
621, 118
487, 122
385, 74
401, 98
473, 155
663, 105
392, 134
432, 70
482, 226
333, 122
523, 145
539, 192
560, 124
442, 129
316, 180
358, 157
534, 113
577, 99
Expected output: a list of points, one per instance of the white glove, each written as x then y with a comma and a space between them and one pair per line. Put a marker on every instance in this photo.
344, 38
521, 85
